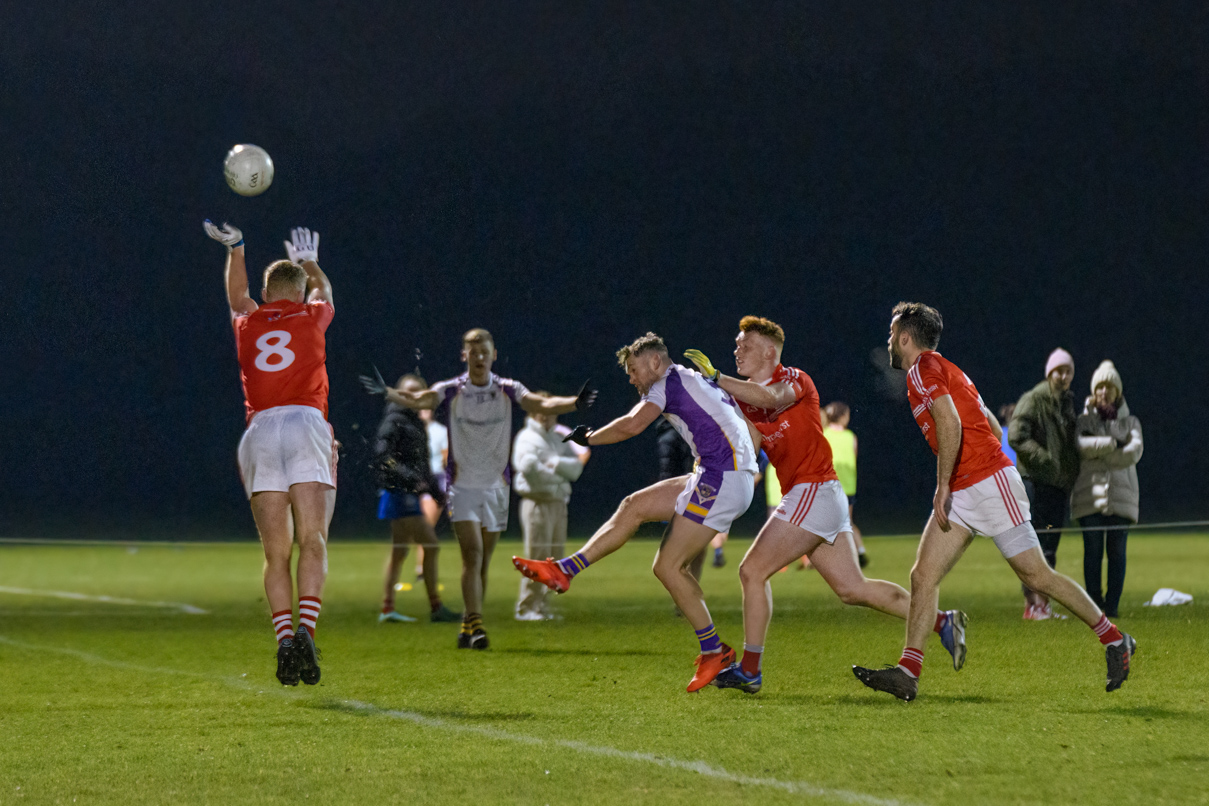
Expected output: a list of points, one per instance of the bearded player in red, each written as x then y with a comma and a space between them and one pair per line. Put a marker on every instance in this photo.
978, 492
287, 457
782, 405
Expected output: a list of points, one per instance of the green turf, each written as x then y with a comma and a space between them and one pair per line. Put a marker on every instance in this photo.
113, 703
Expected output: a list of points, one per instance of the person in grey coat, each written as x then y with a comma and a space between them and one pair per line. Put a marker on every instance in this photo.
1042, 432
1105, 499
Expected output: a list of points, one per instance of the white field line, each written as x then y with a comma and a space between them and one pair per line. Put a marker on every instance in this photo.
699, 767
86, 597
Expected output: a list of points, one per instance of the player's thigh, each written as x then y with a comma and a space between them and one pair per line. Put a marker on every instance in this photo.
656, 502
1030, 565
470, 541
409, 530
939, 550
837, 562
777, 545
490, 539
271, 511
685, 539
313, 503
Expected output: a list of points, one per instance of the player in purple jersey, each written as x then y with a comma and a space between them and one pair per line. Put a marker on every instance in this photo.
699, 505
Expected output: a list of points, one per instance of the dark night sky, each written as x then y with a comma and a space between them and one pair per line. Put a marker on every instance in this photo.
570, 178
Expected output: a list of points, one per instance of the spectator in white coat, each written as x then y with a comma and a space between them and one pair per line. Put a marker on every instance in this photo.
545, 467
1105, 499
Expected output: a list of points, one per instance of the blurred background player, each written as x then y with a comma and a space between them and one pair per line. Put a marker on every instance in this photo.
287, 456
438, 451
403, 471
781, 404
698, 507
843, 459
477, 407
978, 492
1042, 432
1006, 412
545, 467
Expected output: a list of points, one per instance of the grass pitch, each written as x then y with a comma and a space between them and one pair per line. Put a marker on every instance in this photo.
136, 701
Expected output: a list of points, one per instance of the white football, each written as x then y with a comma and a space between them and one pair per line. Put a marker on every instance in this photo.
249, 169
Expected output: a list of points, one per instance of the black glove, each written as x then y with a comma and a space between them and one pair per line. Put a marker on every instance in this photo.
580, 434
585, 398
374, 385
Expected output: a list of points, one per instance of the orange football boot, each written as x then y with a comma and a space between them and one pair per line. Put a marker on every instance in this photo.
709, 666
546, 572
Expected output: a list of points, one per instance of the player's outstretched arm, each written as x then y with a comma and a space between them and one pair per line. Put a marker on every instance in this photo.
560, 404
948, 446
426, 399
621, 429
774, 397
236, 273
303, 249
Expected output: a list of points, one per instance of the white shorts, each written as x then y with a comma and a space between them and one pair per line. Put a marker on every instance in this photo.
286, 445
714, 498
488, 508
820, 508
997, 507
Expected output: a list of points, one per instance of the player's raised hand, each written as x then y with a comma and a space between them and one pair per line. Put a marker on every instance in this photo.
226, 235
579, 435
303, 245
374, 385
703, 364
586, 397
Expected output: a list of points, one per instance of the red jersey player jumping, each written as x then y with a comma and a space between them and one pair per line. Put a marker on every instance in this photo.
287, 456
782, 404
978, 492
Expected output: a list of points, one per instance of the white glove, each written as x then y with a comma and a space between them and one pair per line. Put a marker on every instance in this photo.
228, 236
303, 245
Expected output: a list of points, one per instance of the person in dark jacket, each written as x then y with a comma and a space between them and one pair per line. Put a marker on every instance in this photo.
1042, 432
403, 473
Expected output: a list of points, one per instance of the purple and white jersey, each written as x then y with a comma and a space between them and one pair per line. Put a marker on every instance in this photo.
706, 417
479, 419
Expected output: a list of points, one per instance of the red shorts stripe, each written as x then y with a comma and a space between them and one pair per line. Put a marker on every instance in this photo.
1009, 500
808, 501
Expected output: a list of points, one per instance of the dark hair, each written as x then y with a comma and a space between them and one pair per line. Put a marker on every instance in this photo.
477, 336
640, 345
923, 322
835, 410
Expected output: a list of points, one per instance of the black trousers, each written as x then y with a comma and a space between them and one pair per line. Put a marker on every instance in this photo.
1098, 532
1049, 508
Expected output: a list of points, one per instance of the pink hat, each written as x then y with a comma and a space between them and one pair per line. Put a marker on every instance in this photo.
1057, 359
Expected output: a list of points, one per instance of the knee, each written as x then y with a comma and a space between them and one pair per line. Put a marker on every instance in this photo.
749, 576
922, 579
628, 512
850, 594
663, 569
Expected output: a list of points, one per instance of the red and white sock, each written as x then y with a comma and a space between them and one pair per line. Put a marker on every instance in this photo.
1107, 632
912, 661
283, 624
308, 612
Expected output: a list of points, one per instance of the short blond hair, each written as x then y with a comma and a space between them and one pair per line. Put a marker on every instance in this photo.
284, 279
643, 344
765, 327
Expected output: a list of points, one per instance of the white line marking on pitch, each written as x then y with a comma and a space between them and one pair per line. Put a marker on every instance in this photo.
699, 767
86, 597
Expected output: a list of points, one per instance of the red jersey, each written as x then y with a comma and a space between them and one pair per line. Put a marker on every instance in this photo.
793, 436
282, 350
932, 376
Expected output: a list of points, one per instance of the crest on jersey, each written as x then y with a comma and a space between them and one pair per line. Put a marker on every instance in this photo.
706, 492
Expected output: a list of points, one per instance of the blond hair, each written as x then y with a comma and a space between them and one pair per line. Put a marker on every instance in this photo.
477, 335
284, 280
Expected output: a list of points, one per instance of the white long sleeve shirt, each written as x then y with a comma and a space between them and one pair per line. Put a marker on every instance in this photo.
544, 465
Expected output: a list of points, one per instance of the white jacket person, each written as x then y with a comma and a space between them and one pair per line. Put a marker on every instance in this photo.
1110, 445
545, 465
